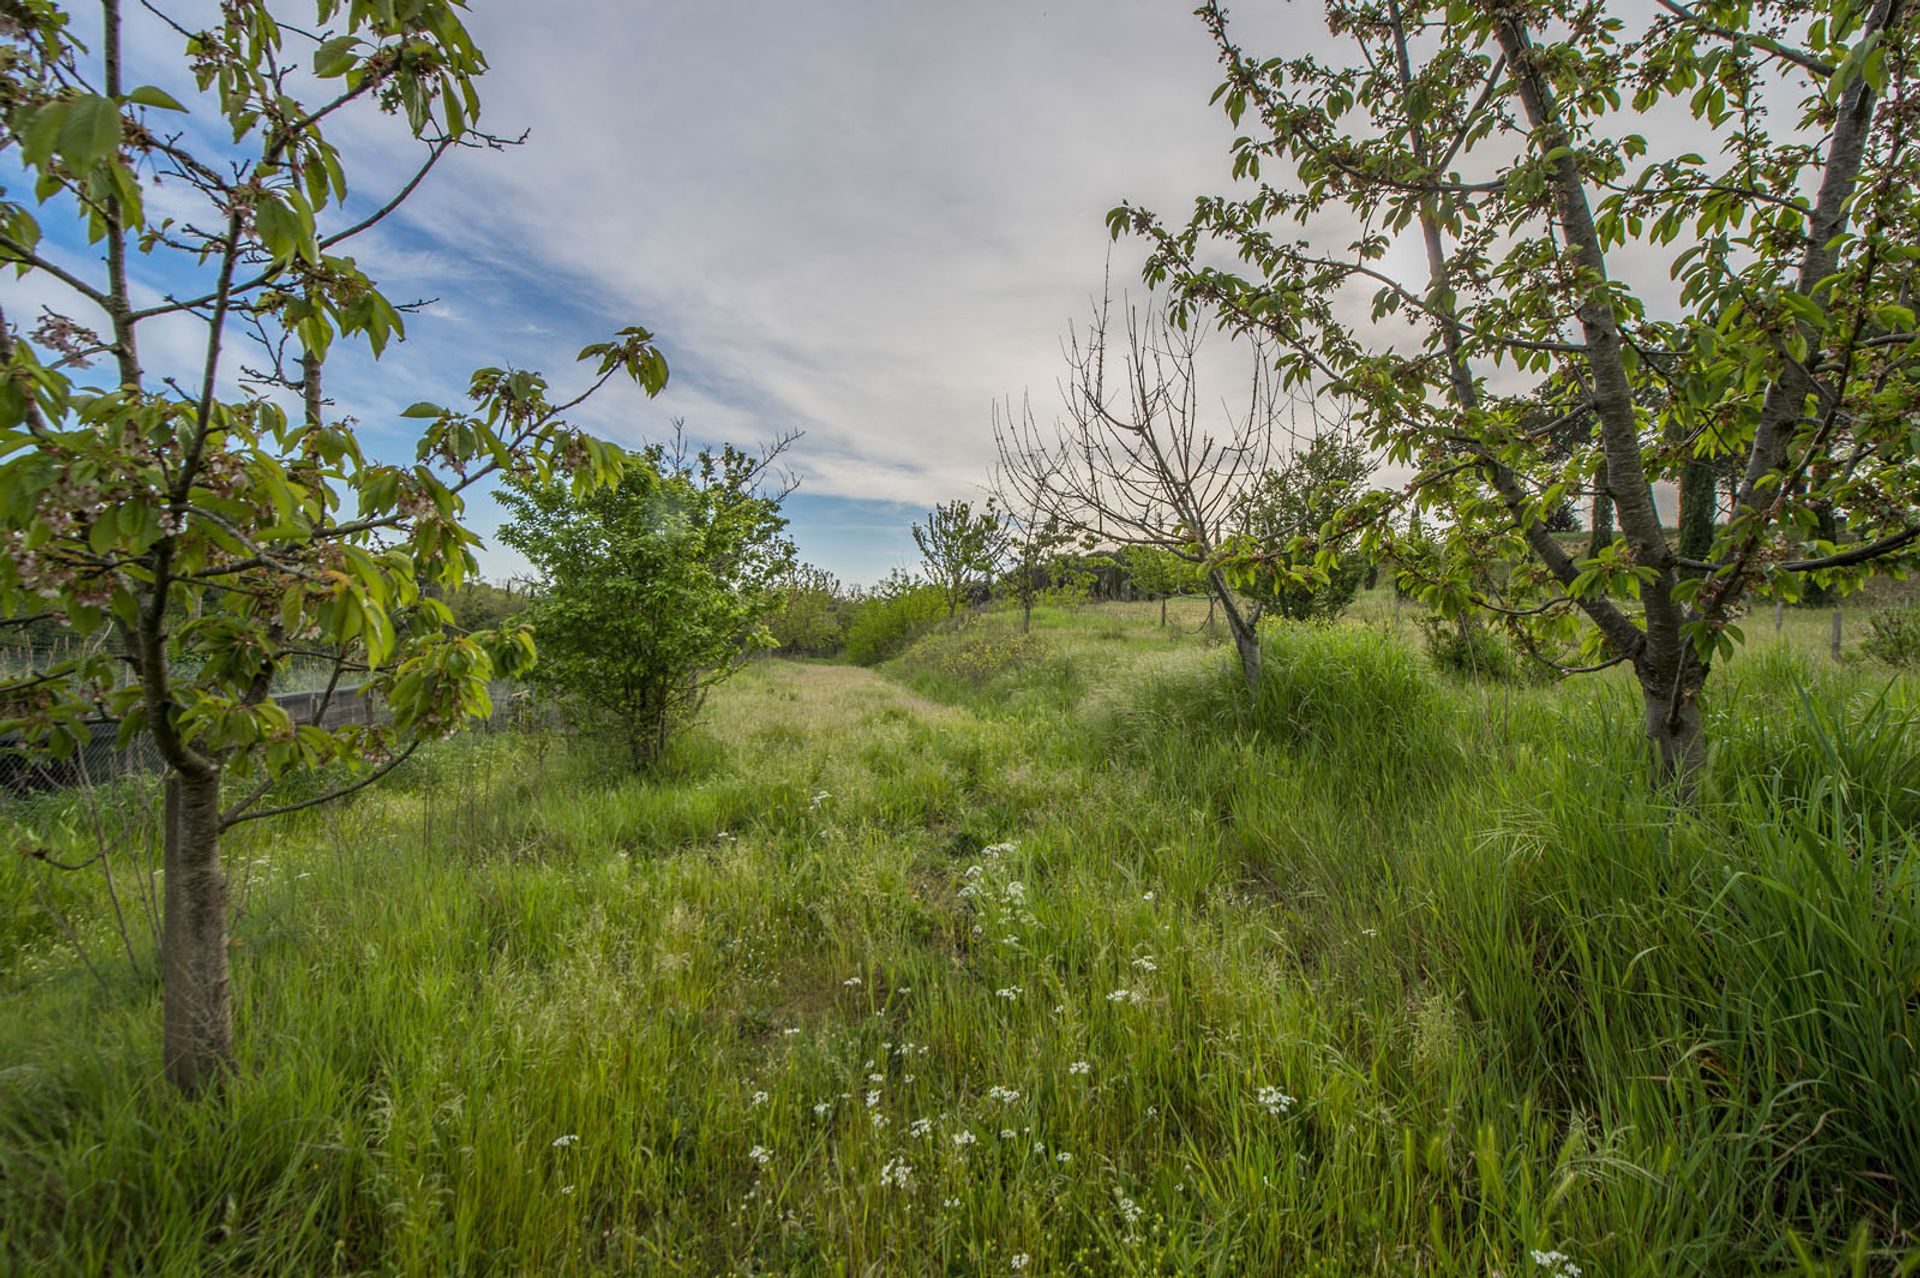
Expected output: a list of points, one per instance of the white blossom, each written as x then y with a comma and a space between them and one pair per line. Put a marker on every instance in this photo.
1275, 1100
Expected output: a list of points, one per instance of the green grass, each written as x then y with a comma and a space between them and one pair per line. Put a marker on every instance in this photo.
518, 1012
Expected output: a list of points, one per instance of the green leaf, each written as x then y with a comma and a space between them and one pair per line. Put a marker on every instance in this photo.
335, 57
89, 131
424, 409
149, 96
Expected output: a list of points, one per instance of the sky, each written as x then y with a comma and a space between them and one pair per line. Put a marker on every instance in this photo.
864, 222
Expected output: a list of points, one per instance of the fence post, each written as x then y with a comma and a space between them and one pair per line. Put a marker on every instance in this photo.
1836, 634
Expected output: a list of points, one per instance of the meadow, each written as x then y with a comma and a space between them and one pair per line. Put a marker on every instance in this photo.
1036, 954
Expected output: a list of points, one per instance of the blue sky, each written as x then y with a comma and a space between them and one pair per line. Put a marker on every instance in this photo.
864, 222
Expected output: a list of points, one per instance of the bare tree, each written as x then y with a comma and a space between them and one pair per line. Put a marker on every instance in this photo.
1141, 460
1032, 523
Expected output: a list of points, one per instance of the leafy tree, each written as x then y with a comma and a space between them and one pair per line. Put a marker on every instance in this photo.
1287, 507
654, 588
216, 539
960, 546
807, 614
1160, 574
1500, 136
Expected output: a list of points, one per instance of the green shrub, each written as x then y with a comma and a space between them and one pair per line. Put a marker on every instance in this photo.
883, 625
979, 655
1469, 647
1893, 636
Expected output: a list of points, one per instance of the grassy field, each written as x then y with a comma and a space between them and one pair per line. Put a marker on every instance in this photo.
1034, 955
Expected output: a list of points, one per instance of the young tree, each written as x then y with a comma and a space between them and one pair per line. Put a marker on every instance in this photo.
655, 588
1287, 508
1160, 574
1498, 135
807, 617
1034, 533
218, 538
959, 546
1139, 462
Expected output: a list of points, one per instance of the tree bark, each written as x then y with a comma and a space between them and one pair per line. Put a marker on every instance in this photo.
1600, 524
197, 1016
1679, 740
1246, 638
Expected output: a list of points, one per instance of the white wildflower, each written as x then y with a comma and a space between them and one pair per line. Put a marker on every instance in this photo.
561, 1142
1123, 996
1019, 1262
1080, 1067
1005, 1095
1275, 1100
873, 1098
963, 1138
851, 982
1009, 993
1146, 964
897, 1174
759, 1098
1557, 1264
760, 1154
1063, 1157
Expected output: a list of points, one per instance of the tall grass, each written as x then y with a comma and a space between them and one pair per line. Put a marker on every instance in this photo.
1071, 955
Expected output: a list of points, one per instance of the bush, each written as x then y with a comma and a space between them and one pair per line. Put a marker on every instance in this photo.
1469, 647
884, 624
1893, 636
809, 618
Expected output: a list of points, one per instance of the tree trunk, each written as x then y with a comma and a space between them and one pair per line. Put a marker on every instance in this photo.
1246, 637
1163, 610
1600, 522
1679, 741
198, 1004
1026, 615
1699, 496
